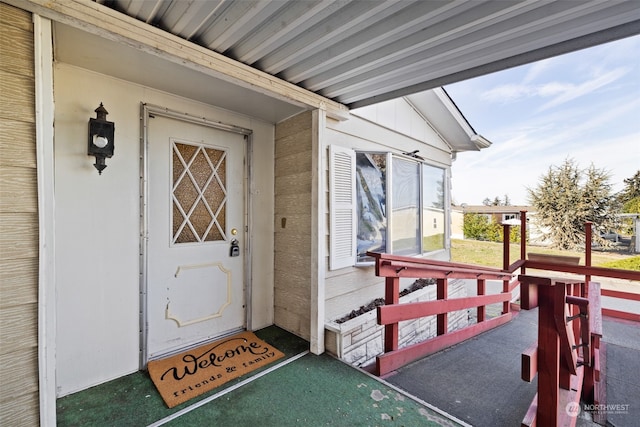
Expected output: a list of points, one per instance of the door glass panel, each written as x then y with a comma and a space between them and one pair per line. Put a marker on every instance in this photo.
199, 194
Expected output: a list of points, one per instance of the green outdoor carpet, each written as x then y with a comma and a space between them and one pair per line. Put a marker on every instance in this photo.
309, 391
314, 391
133, 400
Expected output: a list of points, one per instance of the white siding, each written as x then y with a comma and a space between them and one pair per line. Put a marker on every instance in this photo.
293, 229
18, 222
349, 288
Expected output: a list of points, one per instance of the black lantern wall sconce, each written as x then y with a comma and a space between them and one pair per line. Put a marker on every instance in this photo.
101, 134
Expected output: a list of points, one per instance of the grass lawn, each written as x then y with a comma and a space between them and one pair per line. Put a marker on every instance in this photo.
490, 254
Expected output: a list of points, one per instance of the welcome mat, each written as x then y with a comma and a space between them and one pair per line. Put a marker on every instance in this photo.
187, 375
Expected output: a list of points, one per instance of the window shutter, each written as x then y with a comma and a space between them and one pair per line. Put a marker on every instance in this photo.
342, 207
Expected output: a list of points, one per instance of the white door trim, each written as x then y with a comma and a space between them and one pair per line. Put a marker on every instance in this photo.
148, 111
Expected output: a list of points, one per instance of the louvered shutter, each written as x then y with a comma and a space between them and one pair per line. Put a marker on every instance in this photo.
342, 207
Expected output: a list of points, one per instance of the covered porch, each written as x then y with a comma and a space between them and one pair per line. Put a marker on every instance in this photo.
75, 260
474, 383
489, 373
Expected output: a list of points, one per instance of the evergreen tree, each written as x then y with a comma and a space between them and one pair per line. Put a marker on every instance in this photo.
566, 197
497, 201
630, 199
631, 188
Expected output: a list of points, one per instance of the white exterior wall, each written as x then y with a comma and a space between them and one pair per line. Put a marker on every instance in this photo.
98, 225
404, 130
398, 115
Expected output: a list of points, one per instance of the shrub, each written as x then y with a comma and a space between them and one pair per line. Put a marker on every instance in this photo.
480, 227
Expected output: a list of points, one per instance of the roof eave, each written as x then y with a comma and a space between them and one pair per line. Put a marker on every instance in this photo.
437, 107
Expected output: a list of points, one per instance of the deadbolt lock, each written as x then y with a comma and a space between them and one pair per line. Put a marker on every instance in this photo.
234, 250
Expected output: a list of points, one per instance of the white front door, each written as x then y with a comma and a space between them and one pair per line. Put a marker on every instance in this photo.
196, 239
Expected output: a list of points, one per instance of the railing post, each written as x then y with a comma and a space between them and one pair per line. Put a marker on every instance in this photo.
482, 288
548, 359
442, 293
523, 238
391, 296
587, 255
506, 240
561, 310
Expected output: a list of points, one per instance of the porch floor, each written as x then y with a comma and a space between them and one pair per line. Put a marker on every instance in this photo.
475, 382
304, 390
478, 381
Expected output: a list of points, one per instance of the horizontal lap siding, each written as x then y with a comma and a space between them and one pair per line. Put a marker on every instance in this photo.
18, 222
292, 269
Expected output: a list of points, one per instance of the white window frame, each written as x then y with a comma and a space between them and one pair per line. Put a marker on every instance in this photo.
343, 206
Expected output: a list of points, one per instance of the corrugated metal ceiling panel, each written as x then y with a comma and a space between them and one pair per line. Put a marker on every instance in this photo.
364, 51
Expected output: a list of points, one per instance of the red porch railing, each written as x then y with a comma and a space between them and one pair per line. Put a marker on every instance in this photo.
394, 267
566, 357
563, 264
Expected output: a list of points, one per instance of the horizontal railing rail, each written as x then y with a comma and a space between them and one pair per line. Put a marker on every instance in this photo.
568, 264
577, 344
394, 267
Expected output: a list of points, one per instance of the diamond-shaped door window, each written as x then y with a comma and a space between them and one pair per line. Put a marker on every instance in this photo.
199, 193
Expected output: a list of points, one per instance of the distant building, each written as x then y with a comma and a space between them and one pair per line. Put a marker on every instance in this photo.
497, 214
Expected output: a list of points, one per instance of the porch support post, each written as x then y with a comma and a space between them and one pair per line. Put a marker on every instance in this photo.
43, 54
318, 232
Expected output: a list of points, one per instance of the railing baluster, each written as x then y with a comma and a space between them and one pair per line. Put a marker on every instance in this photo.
481, 310
442, 293
506, 240
392, 296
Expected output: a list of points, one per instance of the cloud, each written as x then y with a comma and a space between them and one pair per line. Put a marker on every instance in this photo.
582, 105
562, 92
569, 92
538, 68
507, 93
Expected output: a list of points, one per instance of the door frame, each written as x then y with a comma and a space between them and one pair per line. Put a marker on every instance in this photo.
148, 111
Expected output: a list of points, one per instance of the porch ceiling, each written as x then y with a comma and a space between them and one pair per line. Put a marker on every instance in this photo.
362, 52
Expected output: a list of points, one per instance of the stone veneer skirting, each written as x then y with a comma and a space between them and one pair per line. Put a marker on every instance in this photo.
358, 341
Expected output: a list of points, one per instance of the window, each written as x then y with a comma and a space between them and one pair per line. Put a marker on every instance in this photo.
433, 213
507, 217
399, 206
405, 207
371, 205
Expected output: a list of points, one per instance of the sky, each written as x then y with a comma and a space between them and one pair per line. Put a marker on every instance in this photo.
583, 106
